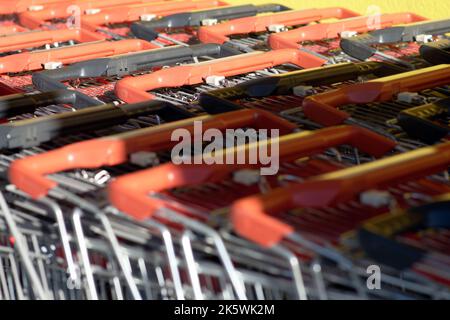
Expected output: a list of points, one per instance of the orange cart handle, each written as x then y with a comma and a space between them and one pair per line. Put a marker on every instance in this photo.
28, 174
323, 108
134, 89
290, 39
254, 217
5, 30
219, 33
134, 12
32, 39
17, 6
129, 193
35, 19
33, 60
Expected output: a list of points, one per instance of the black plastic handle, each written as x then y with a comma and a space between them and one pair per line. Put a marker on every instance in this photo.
16, 104
49, 80
379, 242
218, 101
360, 47
149, 30
32, 132
420, 122
436, 52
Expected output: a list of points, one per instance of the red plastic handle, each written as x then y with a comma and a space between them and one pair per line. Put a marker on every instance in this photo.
323, 108
17, 6
253, 217
28, 174
36, 19
5, 30
134, 89
290, 39
129, 193
133, 12
32, 39
219, 33
33, 60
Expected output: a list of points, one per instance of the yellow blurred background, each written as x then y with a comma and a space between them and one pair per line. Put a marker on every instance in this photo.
435, 9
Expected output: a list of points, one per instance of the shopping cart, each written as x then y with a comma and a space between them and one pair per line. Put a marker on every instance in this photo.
251, 32
385, 145
36, 39
59, 15
249, 119
367, 45
418, 241
427, 123
186, 22
57, 57
294, 84
323, 48
266, 220
119, 66
133, 89
388, 96
92, 207
114, 22
16, 6
59, 254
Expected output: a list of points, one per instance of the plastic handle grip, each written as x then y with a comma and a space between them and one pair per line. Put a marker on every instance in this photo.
220, 33
4, 30
217, 100
134, 89
25, 40
133, 12
290, 39
36, 19
29, 61
12, 105
28, 174
34, 131
118, 66
360, 47
253, 217
420, 122
17, 6
323, 108
150, 30
129, 193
